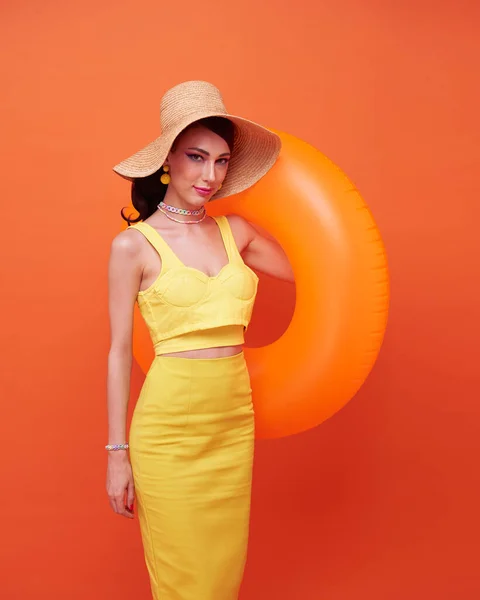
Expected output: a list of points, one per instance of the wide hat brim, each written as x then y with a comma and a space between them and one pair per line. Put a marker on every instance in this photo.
255, 151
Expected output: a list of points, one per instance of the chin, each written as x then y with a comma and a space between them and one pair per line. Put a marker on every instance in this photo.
196, 200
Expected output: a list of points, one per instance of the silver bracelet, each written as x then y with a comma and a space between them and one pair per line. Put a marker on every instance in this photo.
116, 447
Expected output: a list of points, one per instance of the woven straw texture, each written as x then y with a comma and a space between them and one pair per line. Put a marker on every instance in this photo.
255, 148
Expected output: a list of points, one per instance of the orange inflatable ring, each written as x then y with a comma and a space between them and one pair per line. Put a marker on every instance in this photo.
342, 291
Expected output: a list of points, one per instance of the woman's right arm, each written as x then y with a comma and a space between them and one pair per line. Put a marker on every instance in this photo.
124, 277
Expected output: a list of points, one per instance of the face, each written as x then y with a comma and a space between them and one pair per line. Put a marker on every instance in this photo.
198, 165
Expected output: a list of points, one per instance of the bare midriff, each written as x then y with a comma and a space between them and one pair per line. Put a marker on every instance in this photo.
220, 352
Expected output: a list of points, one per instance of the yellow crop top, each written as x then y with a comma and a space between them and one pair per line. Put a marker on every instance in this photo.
185, 309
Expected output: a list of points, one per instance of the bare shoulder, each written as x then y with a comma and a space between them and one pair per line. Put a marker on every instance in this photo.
127, 244
237, 221
126, 261
242, 230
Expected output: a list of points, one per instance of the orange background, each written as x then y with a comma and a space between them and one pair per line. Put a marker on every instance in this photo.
381, 501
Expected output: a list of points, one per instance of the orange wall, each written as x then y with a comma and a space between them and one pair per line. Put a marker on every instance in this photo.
379, 503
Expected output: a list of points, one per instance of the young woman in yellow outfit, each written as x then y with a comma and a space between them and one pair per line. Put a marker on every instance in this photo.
191, 438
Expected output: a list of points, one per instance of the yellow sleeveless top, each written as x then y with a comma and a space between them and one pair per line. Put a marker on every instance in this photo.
185, 309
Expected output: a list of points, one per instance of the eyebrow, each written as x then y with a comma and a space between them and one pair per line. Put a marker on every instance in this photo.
208, 153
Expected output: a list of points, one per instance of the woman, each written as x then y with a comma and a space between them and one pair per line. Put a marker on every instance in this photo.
192, 431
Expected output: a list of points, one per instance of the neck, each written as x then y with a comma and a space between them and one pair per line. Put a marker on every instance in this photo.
172, 199
167, 210
181, 212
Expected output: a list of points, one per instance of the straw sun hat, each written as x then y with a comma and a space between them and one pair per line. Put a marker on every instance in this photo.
255, 148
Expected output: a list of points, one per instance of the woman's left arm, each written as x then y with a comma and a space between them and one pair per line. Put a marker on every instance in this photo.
260, 250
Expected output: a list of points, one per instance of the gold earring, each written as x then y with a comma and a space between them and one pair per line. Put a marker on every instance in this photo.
220, 187
165, 177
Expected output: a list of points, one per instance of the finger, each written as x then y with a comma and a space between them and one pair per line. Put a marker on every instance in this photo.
120, 507
126, 512
130, 495
119, 501
111, 501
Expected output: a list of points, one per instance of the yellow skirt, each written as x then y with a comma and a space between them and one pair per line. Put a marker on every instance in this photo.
191, 449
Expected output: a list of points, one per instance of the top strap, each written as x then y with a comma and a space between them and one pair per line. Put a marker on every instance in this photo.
228, 239
167, 255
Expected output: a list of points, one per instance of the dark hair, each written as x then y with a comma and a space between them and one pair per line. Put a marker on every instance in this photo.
148, 191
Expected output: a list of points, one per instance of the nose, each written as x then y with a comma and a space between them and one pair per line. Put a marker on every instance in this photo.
209, 171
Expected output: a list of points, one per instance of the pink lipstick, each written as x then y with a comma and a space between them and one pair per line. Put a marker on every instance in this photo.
202, 191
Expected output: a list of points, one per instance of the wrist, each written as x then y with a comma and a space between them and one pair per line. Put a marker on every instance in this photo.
117, 446
118, 455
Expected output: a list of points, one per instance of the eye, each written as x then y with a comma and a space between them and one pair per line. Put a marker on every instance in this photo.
195, 157
223, 161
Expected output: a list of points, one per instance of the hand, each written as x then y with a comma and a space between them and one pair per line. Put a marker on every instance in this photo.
120, 488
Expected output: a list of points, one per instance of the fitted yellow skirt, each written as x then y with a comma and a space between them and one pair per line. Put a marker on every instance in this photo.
191, 449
